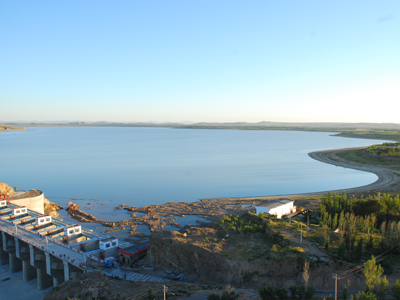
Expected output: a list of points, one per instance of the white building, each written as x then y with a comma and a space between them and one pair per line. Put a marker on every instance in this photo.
279, 208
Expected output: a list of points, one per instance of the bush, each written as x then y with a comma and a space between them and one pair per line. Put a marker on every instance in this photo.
364, 296
267, 293
271, 292
293, 291
225, 296
281, 293
299, 292
229, 295
310, 292
345, 290
150, 295
213, 297
396, 290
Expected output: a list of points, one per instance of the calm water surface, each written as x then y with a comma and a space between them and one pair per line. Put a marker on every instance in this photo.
141, 166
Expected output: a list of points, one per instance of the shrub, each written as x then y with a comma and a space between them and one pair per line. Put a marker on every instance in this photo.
267, 293
364, 296
293, 291
213, 297
271, 292
396, 290
281, 293
229, 295
310, 292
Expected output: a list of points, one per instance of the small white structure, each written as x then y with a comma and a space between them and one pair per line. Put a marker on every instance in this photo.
279, 208
72, 230
108, 243
3, 203
19, 211
43, 220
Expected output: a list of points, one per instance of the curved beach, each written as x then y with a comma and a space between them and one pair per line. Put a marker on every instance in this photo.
387, 178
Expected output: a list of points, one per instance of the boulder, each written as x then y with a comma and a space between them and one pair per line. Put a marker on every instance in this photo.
6, 189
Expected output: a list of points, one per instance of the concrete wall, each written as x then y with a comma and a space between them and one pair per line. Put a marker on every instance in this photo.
35, 203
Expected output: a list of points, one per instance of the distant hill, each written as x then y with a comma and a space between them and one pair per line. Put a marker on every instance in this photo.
335, 127
8, 127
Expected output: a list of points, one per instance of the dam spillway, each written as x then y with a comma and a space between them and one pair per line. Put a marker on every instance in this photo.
48, 249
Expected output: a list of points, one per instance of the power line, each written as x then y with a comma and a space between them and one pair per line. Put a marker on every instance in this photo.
144, 294
361, 267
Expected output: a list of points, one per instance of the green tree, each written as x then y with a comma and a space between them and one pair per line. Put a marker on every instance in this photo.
335, 222
150, 295
396, 290
310, 292
372, 273
306, 273
345, 290
364, 296
383, 289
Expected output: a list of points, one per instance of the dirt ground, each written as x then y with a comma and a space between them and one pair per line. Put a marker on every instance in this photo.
95, 285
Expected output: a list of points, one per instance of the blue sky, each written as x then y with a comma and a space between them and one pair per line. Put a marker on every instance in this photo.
200, 61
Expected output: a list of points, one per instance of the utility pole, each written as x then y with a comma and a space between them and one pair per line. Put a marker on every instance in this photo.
84, 255
301, 233
336, 278
164, 292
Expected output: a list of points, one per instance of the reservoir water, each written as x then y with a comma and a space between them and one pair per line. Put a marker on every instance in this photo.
141, 166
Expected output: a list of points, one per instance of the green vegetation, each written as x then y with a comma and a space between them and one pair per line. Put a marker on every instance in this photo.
377, 286
239, 224
386, 149
271, 292
358, 156
254, 237
396, 290
226, 295
365, 225
372, 134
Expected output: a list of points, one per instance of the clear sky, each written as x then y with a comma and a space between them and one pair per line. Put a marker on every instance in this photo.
200, 61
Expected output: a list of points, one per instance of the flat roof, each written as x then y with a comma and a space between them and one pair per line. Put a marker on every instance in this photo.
108, 239
132, 249
277, 203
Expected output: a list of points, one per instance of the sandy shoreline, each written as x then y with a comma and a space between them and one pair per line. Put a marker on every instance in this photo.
156, 217
386, 178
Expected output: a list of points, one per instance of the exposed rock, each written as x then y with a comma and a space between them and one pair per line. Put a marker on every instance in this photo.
6, 189
51, 208
172, 251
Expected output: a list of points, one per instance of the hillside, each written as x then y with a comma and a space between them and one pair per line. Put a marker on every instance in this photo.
9, 127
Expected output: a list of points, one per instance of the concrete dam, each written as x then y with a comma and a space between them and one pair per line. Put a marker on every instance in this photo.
47, 249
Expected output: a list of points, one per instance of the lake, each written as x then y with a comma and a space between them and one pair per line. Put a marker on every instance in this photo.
142, 166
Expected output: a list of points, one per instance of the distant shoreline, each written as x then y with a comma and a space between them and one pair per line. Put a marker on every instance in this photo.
388, 131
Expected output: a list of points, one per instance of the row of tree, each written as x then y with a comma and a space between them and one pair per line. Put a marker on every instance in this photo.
357, 220
379, 204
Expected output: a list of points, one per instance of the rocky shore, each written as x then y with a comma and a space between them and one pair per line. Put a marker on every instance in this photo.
157, 217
